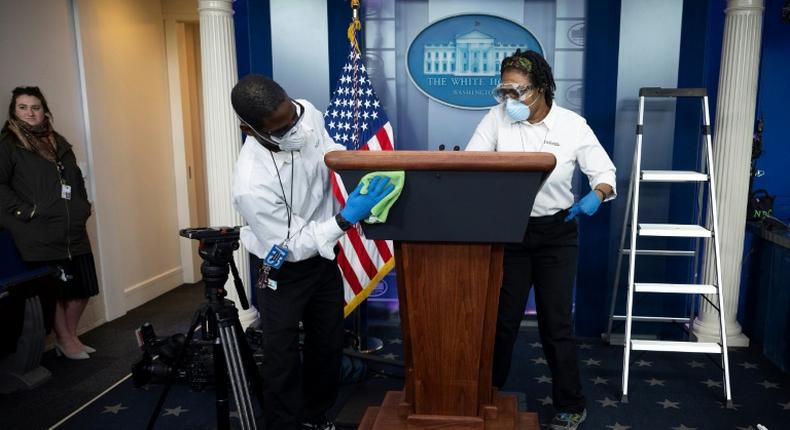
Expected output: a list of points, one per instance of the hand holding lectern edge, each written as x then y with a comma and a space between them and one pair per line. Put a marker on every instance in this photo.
454, 214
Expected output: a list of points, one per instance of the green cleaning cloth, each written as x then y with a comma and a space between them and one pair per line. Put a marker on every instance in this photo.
379, 212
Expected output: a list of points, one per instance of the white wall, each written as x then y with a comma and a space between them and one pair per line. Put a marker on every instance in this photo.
125, 77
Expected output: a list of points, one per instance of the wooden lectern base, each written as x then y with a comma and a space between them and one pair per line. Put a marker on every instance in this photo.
387, 417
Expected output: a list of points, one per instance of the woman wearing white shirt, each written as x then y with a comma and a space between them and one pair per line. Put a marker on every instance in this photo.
528, 120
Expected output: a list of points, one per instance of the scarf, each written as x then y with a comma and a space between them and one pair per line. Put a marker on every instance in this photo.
39, 139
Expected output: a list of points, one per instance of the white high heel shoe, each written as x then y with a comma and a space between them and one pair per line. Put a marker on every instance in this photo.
82, 355
88, 349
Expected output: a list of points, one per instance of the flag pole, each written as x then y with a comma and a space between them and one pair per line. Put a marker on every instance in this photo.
355, 25
365, 344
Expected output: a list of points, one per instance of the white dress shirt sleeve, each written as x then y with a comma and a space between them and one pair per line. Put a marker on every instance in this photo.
594, 162
485, 136
267, 216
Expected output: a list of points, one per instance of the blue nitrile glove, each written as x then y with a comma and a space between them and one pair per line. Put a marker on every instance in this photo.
358, 205
587, 205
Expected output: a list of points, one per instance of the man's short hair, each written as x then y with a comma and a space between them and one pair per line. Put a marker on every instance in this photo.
256, 97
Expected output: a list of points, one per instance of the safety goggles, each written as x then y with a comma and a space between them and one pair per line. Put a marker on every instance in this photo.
274, 137
512, 91
291, 126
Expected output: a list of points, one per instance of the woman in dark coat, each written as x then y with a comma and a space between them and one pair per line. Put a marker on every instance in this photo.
43, 202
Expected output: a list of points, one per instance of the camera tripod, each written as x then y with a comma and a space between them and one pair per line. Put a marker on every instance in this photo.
219, 322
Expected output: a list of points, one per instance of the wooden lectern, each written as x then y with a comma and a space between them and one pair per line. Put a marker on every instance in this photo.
455, 212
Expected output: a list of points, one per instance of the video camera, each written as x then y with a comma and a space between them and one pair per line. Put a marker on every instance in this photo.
161, 353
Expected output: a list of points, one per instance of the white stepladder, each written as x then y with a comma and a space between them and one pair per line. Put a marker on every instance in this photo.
710, 292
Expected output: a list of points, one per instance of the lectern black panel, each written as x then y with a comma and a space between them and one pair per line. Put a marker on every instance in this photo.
457, 206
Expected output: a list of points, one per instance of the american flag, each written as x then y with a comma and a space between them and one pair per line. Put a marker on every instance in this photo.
356, 119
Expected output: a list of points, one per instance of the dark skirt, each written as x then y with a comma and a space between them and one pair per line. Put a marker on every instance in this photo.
78, 276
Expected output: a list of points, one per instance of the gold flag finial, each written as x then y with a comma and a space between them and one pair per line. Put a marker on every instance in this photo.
355, 25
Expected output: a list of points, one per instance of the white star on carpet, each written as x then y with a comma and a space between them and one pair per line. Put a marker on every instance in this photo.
695, 364
536, 345
545, 401
653, 382
397, 340
711, 383
114, 409
598, 380
669, 404
785, 406
591, 362
643, 363
682, 427
539, 360
618, 426
585, 346
543, 379
768, 384
607, 402
177, 411
389, 356
747, 365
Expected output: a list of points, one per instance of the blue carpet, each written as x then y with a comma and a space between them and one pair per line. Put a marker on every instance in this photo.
668, 391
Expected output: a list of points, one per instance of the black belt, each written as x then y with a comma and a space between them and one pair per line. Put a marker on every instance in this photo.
557, 217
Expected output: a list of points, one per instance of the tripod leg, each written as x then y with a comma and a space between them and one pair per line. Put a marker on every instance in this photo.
253, 374
227, 320
221, 388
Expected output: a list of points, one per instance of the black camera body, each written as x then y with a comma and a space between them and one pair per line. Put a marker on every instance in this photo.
160, 356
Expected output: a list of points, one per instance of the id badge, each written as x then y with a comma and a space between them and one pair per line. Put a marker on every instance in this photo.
65, 191
276, 256
264, 278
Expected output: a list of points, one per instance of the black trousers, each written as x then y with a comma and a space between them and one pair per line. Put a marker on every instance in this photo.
546, 259
301, 387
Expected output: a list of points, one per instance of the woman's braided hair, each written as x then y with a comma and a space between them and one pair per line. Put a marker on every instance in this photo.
532, 64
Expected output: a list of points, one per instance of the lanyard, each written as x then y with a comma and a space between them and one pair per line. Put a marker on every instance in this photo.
288, 208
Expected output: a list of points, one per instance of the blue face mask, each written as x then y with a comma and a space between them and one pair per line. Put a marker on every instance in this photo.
517, 110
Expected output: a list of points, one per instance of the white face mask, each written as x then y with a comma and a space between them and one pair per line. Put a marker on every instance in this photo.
295, 139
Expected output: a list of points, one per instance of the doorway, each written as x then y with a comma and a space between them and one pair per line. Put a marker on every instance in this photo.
184, 70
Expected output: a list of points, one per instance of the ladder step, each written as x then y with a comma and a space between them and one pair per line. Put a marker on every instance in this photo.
673, 230
619, 338
645, 287
673, 176
665, 345
660, 252
637, 318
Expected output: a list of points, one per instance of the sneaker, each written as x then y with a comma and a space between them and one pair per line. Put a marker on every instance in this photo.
326, 425
567, 420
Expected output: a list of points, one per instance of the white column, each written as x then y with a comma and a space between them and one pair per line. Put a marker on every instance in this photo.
740, 60
221, 128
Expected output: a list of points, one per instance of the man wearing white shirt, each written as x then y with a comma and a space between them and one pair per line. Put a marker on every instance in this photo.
528, 120
282, 189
